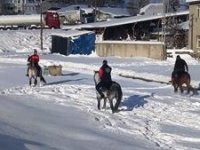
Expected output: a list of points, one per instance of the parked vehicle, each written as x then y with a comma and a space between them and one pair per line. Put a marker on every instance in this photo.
49, 20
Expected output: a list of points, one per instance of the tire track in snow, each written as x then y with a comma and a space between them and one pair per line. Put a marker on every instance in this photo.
143, 121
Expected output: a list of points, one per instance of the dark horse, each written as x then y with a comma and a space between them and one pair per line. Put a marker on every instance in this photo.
180, 78
113, 93
33, 73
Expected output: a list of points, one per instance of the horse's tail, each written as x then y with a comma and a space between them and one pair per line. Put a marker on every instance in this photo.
42, 79
188, 76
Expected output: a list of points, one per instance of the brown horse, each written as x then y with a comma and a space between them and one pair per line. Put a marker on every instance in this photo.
179, 79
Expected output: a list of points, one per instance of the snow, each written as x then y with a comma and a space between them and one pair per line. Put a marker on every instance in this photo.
71, 33
62, 115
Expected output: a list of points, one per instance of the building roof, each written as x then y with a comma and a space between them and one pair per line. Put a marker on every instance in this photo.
152, 8
72, 33
189, 1
114, 12
123, 21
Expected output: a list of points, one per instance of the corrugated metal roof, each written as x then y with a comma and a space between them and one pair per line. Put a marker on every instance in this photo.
123, 21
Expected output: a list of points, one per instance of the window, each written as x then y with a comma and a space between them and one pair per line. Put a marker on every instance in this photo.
198, 41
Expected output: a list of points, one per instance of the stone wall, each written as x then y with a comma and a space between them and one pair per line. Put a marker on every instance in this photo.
155, 50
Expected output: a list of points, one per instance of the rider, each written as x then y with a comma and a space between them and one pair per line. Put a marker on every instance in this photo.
180, 66
105, 78
34, 58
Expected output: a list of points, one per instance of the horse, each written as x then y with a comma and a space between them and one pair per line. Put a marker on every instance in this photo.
33, 73
114, 92
180, 78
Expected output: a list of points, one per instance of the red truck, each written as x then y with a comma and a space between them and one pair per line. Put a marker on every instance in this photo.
50, 20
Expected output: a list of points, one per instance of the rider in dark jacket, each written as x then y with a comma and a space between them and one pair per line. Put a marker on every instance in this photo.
180, 66
105, 78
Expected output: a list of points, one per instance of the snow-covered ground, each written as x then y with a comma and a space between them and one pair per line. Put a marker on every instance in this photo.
62, 115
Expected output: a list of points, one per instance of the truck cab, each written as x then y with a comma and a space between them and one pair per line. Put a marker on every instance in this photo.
52, 19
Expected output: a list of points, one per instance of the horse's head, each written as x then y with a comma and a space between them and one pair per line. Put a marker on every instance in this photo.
31, 64
96, 77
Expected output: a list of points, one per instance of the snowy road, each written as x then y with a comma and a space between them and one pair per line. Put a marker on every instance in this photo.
62, 115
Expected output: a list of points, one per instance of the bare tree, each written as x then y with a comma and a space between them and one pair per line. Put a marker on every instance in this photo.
143, 3
171, 5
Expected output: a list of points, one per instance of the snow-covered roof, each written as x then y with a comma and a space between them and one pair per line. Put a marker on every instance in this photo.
87, 10
72, 7
122, 21
189, 1
184, 25
72, 33
114, 12
152, 9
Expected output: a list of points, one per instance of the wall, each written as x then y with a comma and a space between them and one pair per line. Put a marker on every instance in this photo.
194, 29
155, 50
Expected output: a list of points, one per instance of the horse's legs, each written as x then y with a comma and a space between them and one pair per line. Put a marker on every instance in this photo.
104, 104
35, 81
175, 86
29, 81
175, 89
98, 103
111, 105
117, 104
188, 87
181, 88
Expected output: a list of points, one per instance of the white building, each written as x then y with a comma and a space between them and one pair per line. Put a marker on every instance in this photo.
31, 7
12, 6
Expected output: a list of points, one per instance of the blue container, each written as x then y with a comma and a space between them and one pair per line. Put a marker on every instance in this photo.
74, 42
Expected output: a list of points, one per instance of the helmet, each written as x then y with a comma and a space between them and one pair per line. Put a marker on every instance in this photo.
178, 57
105, 62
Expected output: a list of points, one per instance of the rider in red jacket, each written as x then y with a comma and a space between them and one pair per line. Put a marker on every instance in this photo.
35, 59
105, 78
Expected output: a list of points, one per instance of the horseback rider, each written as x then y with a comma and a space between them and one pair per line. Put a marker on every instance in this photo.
105, 78
34, 58
179, 67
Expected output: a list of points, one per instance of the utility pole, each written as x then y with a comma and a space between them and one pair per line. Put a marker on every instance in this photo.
164, 20
23, 7
95, 10
41, 26
191, 26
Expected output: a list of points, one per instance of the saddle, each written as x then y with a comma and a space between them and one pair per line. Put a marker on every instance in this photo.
178, 74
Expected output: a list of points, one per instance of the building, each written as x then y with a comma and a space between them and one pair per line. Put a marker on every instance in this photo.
194, 28
30, 7
1, 6
11, 7
152, 9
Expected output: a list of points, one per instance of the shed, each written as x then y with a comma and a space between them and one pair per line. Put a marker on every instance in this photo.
73, 42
